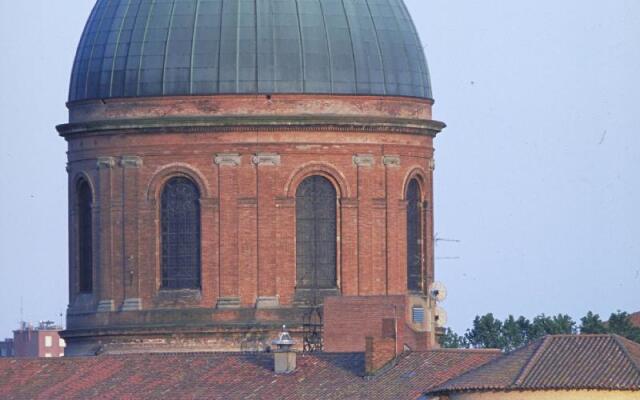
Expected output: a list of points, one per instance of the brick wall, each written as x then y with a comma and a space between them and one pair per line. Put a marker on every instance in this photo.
247, 201
379, 352
30, 343
349, 320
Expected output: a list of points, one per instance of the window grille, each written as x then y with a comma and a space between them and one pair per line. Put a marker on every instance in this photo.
417, 315
180, 225
316, 234
414, 237
85, 238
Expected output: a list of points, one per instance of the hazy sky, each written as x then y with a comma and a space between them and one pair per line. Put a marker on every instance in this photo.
538, 172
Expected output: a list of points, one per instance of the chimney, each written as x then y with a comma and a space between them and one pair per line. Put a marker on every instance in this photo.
379, 353
284, 356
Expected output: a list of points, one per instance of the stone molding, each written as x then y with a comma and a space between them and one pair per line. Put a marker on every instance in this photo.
268, 302
256, 124
132, 304
105, 162
379, 204
131, 162
228, 159
285, 202
363, 160
268, 159
349, 203
228, 302
432, 164
391, 161
247, 202
106, 306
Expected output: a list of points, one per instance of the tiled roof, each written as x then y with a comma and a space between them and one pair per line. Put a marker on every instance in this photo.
564, 362
230, 376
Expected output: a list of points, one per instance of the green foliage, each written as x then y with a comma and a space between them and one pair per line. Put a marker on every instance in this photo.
620, 324
592, 324
515, 333
486, 332
560, 324
490, 332
451, 340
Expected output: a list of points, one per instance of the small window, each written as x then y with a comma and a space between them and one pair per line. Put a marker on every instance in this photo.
48, 341
61, 354
48, 355
61, 343
417, 315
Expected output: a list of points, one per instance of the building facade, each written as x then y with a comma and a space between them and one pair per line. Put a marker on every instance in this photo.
6, 348
41, 341
234, 163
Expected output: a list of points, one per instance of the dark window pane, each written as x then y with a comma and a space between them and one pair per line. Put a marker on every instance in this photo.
414, 237
180, 227
316, 234
85, 238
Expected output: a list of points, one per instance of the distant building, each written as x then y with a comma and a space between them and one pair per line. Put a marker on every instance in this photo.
41, 341
6, 348
635, 319
557, 367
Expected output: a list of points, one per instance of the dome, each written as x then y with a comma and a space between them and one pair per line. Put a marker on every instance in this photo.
139, 48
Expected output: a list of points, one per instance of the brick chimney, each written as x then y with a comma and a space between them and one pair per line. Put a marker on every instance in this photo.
379, 353
284, 356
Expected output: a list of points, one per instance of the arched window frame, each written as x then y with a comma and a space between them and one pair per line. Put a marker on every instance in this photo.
169, 265
84, 200
415, 234
316, 288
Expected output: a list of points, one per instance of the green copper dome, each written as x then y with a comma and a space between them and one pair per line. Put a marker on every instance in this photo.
136, 48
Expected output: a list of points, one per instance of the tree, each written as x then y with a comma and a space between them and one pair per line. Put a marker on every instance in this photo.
620, 324
486, 333
490, 332
515, 332
592, 324
451, 340
560, 324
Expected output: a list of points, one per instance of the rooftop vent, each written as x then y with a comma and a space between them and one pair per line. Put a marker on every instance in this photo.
284, 356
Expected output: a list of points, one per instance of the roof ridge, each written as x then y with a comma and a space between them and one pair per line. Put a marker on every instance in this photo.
619, 340
490, 351
531, 362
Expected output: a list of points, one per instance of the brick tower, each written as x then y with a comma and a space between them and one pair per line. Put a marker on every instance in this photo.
235, 164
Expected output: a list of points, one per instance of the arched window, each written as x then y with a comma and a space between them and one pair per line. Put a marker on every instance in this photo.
414, 237
84, 200
316, 234
180, 224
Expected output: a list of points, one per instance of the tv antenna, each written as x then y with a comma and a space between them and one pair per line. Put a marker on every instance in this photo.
437, 239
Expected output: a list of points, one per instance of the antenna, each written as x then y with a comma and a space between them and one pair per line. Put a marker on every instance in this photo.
438, 291
440, 317
438, 239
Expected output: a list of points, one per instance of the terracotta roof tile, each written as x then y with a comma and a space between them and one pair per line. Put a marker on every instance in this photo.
229, 376
607, 362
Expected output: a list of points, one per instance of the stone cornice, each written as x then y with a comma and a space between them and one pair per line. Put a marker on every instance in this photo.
252, 124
